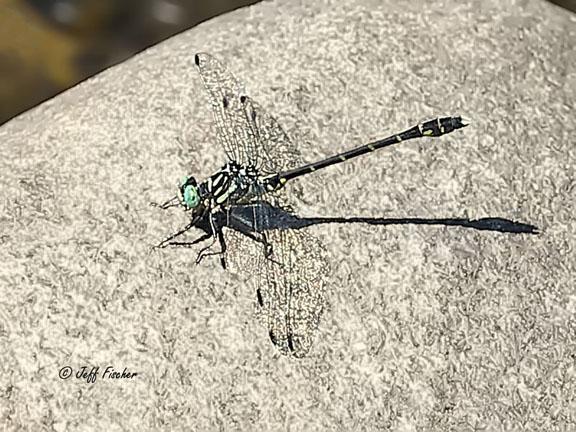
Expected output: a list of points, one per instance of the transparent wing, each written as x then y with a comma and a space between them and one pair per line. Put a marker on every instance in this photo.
275, 150
249, 135
291, 290
235, 133
289, 285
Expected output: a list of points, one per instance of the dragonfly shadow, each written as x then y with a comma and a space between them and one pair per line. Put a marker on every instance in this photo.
270, 217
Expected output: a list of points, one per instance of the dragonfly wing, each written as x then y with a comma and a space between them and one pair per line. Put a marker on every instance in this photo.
289, 285
226, 93
292, 289
276, 152
289, 278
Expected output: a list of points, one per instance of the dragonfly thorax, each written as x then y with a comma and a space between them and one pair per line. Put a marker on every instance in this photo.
233, 183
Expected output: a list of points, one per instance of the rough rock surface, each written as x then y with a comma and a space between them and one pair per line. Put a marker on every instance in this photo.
429, 327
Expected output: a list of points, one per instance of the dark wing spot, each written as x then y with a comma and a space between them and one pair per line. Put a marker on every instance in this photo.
243, 99
259, 296
225, 102
290, 342
273, 338
197, 60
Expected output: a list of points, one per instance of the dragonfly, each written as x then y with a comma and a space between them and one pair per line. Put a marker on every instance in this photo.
242, 205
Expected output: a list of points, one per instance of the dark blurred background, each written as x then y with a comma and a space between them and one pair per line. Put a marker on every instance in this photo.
47, 46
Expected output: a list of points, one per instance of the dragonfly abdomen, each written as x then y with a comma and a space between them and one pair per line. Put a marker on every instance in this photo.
432, 128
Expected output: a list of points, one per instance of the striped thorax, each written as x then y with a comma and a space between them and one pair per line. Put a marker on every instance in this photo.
232, 184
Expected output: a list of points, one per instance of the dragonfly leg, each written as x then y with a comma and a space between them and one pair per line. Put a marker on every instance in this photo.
172, 202
252, 233
222, 249
216, 234
190, 243
267, 246
203, 254
261, 238
168, 240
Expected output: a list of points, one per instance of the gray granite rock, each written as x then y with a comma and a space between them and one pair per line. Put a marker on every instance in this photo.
429, 327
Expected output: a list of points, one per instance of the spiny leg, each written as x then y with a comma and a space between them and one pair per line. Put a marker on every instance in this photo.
201, 239
250, 231
267, 246
264, 240
221, 252
172, 202
190, 243
214, 234
261, 238
166, 241
223, 248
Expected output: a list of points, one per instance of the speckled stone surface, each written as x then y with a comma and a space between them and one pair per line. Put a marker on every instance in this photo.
428, 327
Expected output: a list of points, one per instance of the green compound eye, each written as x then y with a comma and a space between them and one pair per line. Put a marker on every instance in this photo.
191, 197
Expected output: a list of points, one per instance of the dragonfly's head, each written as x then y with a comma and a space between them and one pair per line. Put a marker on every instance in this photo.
190, 193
